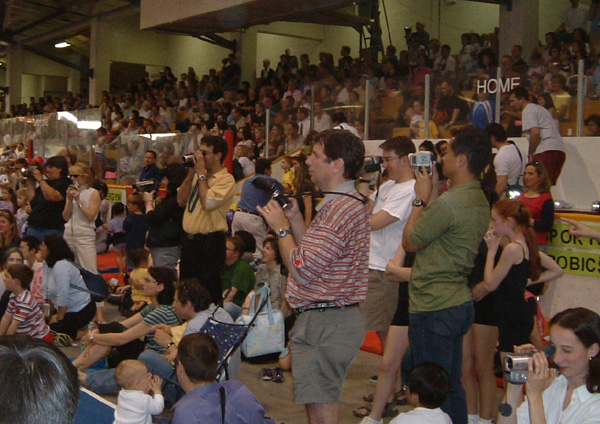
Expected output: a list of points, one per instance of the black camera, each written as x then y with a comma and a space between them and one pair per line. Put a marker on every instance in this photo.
28, 172
372, 164
274, 190
145, 186
188, 160
407, 30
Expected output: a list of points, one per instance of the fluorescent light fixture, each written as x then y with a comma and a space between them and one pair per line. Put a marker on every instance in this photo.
68, 116
62, 45
158, 135
89, 125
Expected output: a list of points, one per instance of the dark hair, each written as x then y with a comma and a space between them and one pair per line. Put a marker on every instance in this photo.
544, 183
22, 273
430, 382
175, 173
475, 145
496, 130
586, 326
44, 383
400, 145
218, 144
166, 277
136, 256
57, 250
520, 93
593, 118
262, 165
118, 209
275, 245
59, 162
152, 152
238, 244
32, 242
192, 290
248, 239
427, 145
339, 117
515, 209
340, 144
438, 146
198, 354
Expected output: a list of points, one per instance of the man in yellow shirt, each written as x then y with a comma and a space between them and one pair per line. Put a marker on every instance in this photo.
206, 194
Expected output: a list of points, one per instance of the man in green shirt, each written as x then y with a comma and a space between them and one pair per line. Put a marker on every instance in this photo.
241, 275
445, 235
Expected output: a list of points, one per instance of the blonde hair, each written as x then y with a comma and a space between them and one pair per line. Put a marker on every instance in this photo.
129, 372
81, 168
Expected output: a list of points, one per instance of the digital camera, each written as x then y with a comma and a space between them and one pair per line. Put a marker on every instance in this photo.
422, 159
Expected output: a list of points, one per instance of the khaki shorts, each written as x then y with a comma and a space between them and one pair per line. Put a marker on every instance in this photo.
382, 300
323, 344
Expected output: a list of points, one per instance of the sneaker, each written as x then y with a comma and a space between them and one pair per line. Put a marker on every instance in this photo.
278, 376
369, 420
62, 339
266, 374
373, 379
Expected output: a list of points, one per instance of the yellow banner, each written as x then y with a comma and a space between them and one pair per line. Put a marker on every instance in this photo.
559, 237
577, 263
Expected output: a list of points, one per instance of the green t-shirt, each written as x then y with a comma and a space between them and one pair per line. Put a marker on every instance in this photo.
242, 278
448, 234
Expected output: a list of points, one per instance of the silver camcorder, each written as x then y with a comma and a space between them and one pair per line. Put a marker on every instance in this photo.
420, 159
516, 365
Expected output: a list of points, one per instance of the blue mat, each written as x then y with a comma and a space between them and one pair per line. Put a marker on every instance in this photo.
94, 409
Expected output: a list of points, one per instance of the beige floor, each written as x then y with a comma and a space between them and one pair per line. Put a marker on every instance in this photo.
278, 399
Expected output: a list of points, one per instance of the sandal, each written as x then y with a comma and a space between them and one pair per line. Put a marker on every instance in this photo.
388, 412
400, 399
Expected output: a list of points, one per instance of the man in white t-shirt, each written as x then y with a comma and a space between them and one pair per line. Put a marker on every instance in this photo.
322, 119
509, 161
340, 122
573, 17
390, 208
545, 143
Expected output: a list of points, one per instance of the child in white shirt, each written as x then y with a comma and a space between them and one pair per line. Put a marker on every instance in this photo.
428, 387
134, 404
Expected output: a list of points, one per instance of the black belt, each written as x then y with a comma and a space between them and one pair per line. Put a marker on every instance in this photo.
321, 306
250, 212
199, 236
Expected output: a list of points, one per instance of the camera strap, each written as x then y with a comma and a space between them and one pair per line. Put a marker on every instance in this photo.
194, 197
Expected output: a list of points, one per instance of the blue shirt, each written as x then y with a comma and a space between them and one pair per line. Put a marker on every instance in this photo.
482, 114
203, 405
253, 196
150, 172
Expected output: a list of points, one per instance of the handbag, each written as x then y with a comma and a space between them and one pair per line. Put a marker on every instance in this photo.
96, 286
267, 335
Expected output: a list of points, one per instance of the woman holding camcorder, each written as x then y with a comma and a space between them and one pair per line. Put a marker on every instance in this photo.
569, 394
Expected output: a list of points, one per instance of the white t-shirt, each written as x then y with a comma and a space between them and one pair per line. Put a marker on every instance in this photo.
346, 126
423, 416
538, 116
396, 199
136, 407
583, 409
576, 17
508, 162
323, 123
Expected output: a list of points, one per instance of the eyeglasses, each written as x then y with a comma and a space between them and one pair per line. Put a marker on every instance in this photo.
389, 158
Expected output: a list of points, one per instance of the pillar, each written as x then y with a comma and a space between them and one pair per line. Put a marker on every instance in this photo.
519, 26
13, 76
99, 59
246, 54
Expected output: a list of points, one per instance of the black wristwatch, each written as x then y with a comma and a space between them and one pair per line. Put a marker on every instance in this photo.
419, 202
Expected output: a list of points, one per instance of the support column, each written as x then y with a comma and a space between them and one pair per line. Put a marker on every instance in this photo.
99, 60
13, 76
246, 54
74, 80
519, 26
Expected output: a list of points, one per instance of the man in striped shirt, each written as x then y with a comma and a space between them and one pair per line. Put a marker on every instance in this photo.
328, 264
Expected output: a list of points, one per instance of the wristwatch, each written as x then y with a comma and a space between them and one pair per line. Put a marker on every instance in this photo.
202, 177
419, 202
282, 232
169, 345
